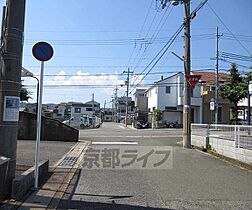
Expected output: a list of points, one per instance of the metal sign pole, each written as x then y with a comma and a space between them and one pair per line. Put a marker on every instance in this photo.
37, 153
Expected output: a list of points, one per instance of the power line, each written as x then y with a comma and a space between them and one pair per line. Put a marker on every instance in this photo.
154, 37
94, 66
228, 29
170, 42
224, 60
139, 34
121, 74
235, 56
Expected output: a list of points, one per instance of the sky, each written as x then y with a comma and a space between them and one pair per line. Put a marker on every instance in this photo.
94, 42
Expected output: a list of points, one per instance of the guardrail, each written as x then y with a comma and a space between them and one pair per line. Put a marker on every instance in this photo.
234, 141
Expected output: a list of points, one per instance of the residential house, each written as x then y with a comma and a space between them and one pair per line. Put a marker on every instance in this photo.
208, 85
89, 108
167, 95
65, 111
107, 114
119, 105
45, 110
141, 104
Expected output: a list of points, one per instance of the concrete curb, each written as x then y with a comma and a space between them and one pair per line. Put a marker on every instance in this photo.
228, 160
50, 194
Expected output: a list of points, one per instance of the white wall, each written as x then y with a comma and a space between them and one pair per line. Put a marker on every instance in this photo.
165, 99
152, 98
225, 148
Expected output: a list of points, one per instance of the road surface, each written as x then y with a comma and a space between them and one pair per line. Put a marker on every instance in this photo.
196, 180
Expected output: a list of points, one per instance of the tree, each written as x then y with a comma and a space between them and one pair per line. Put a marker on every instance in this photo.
24, 94
157, 115
234, 89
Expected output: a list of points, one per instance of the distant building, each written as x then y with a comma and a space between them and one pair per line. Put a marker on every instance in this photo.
119, 106
141, 104
64, 111
46, 110
107, 114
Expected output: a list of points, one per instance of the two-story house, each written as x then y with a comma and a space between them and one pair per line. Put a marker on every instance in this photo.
208, 85
119, 105
167, 95
141, 104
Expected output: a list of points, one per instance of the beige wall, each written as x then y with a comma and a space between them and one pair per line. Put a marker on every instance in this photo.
208, 115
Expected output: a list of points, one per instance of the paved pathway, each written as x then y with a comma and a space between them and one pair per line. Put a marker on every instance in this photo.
196, 181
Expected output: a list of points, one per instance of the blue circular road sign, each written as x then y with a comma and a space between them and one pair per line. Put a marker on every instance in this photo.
42, 51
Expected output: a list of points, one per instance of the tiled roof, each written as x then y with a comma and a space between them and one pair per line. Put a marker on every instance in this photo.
210, 77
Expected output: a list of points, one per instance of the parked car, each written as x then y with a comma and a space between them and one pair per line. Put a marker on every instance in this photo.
140, 124
239, 122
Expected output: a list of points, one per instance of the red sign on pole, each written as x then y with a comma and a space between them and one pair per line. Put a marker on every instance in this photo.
193, 79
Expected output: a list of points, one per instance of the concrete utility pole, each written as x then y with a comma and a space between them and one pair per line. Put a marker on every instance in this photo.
187, 87
10, 82
116, 105
127, 95
104, 110
217, 76
249, 102
93, 109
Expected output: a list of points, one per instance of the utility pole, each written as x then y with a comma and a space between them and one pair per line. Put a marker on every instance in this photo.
10, 82
104, 110
116, 105
127, 95
187, 87
249, 102
93, 110
217, 76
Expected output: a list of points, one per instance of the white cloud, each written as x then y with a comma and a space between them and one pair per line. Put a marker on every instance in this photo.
85, 79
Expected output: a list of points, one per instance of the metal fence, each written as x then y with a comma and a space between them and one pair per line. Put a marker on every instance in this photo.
240, 134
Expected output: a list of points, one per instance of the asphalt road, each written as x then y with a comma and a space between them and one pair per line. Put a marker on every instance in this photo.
49, 150
196, 180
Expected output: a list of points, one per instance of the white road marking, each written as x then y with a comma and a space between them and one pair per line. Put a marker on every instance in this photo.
114, 143
176, 136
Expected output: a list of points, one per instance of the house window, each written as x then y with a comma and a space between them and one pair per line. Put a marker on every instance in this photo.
89, 109
212, 88
168, 89
77, 110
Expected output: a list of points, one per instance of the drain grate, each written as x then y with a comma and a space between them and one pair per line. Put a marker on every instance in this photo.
68, 161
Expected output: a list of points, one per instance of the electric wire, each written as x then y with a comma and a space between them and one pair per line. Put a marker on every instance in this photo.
169, 43
228, 29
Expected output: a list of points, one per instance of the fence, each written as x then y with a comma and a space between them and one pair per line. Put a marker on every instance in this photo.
234, 141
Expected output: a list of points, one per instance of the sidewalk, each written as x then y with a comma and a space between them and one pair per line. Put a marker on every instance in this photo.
49, 195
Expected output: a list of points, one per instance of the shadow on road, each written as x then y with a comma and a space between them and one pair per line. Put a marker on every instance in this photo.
67, 201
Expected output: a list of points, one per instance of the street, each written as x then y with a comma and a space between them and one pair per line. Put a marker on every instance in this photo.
196, 180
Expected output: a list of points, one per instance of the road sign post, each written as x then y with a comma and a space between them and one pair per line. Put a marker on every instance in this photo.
42, 51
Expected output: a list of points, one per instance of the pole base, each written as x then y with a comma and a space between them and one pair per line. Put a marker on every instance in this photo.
187, 141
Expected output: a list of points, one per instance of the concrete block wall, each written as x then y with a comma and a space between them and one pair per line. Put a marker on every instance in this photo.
21, 184
224, 147
198, 141
51, 130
